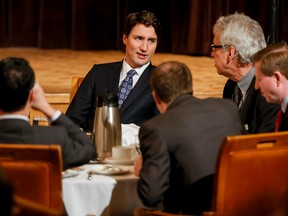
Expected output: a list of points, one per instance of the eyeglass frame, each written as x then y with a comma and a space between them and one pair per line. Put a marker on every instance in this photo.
213, 47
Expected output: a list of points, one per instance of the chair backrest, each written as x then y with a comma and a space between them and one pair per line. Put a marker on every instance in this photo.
150, 212
35, 172
76, 82
252, 175
25, 207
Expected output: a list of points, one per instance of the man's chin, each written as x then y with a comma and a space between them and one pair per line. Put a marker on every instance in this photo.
268, 100
220, 73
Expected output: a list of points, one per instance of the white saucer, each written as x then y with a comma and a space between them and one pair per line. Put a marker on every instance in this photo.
111, 171
112, 160
69, 173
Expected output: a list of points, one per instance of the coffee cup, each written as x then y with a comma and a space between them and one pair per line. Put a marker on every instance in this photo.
123, 153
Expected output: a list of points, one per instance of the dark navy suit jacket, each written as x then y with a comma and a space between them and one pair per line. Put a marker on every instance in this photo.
138, 107
76, 147
284, 122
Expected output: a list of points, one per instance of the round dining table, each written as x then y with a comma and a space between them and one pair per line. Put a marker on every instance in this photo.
100, 190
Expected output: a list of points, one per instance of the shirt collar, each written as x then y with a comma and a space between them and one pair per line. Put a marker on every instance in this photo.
13, 116
245, 82
284, 104
126, 67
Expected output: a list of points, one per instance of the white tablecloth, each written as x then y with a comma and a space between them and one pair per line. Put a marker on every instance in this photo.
113, 195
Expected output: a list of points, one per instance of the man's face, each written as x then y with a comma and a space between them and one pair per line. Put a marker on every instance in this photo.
140, 44
268, 85
221, 56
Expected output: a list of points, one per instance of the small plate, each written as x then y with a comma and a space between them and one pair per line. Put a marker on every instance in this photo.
69, 173
109, 170
112, 160
96, 162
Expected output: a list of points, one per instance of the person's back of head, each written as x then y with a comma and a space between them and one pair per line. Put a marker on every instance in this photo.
16, 80
171, 79
242, 32
144, 17
273, 58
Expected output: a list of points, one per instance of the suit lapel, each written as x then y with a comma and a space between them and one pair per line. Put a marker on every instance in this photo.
284, 122
248, 99
113, 77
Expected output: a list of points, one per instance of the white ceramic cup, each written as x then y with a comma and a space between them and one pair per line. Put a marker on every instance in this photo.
123, 153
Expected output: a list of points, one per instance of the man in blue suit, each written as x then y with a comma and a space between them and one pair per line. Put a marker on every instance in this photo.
140, 37
271, 70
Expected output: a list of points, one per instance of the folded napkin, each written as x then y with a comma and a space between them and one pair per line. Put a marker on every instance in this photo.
130, 134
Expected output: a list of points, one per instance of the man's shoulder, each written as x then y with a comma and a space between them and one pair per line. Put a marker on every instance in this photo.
103, 68
219, 102
107, 65
51, 130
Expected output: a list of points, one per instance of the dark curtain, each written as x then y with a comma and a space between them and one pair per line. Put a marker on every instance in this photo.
97, 25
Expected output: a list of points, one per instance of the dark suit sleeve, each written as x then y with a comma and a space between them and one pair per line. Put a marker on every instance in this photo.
266, 114
81, 107
77, 148
154, 175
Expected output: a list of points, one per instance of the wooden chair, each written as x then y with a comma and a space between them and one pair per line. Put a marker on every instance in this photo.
149, 212
25, 207
76, 82
35, 172
252, 176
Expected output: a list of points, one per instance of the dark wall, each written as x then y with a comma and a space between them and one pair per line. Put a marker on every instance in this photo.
97, 25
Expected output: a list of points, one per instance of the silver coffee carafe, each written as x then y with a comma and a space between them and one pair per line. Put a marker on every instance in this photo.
107, 125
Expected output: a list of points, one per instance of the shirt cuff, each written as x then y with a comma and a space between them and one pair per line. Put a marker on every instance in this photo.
55, 116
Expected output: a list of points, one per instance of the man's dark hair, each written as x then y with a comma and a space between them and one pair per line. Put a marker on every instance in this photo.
144, 17
171, 79
16, 80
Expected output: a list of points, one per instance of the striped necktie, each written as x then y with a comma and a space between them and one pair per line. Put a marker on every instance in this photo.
125, 87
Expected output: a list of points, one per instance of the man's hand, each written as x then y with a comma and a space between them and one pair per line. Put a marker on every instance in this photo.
138, 166
40, 103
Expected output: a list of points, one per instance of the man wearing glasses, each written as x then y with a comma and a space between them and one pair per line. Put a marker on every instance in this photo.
237, 38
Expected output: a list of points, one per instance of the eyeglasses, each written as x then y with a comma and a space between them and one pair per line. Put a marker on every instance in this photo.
213, 47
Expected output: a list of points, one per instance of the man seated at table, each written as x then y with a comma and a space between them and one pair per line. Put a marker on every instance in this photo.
18, 94
180, 146
271, 74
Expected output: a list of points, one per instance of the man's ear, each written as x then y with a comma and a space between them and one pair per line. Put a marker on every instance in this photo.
231, 53
31, 95
278, 77
124, 39
156, 98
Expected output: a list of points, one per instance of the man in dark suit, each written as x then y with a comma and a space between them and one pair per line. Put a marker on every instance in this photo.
236, 38
180, 146
140, 37
271, 75
17, 95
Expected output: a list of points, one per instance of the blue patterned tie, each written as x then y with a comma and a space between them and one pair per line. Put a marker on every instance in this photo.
125, 87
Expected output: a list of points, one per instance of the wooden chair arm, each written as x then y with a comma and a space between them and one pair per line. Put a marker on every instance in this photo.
150, 212
210, 213
24, 206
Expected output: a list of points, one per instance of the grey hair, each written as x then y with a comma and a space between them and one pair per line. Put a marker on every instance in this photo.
242, 32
